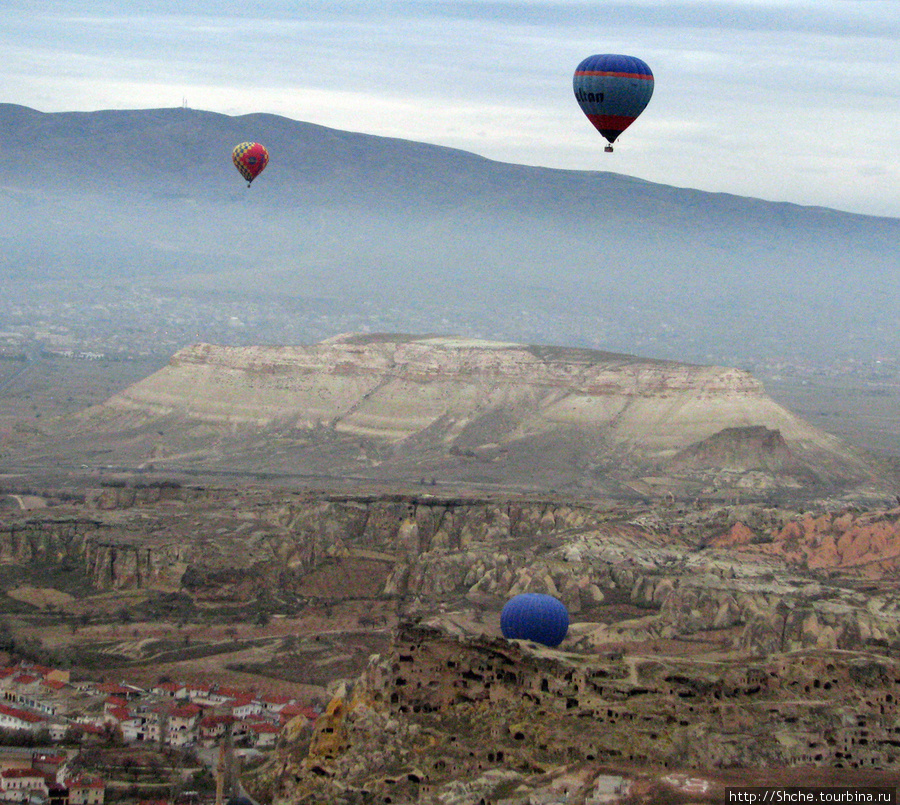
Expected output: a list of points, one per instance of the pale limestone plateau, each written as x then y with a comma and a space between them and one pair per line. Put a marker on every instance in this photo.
393, 390
464, 413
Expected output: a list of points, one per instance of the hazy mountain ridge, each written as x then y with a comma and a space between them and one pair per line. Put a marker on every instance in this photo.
402, 235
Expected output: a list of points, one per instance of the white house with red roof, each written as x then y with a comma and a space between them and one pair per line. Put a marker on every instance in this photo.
42, 672
86, 790
212, 728
182, 724
115, 714
211, 698
114, 721
245, 707
47, 698
58, 728
90, 732
33, 668
18, 784
114, 703
274, 704
12, 718
174, 690
23, 685
142, 725
55, 685
196, 690
114, 689
263, 734
48, 763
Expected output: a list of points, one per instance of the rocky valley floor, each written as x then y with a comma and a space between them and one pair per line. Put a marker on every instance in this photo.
703, 638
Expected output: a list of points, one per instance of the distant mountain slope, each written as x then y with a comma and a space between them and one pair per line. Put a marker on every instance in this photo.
408, 236
473, 414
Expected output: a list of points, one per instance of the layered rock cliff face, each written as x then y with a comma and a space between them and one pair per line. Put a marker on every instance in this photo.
761, 579
214, 541
111, 557
458, 721
700, 636
462, 412
391, 389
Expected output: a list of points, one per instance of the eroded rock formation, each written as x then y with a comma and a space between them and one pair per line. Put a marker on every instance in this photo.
762, 579
700, 634
448, 719
467, 413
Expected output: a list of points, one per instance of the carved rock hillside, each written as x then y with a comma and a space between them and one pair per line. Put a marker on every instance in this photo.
430, 410
461, 721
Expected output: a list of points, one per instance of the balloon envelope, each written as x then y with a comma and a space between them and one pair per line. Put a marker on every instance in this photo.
250, 159
612, 91
535, 616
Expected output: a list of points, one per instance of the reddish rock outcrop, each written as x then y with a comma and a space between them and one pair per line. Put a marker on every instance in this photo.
868, 542
737, 535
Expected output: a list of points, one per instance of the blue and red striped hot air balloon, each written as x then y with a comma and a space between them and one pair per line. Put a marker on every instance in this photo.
612, 90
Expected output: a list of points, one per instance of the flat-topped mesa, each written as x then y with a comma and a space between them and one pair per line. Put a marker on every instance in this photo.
391, 387
429, 359
466, 411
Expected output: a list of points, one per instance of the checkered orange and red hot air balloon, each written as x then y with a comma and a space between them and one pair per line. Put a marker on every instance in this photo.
250, 159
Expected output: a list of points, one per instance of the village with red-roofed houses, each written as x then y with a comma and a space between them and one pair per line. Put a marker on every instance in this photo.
52, 731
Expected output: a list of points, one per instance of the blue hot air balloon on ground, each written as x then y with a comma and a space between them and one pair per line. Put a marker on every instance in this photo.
612, 90
535, 616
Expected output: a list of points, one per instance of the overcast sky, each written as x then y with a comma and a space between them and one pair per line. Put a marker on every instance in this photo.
789, 100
